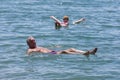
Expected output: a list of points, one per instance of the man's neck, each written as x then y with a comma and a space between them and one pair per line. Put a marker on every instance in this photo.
32, 47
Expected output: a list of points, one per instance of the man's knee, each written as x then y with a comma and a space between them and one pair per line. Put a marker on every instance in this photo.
72, 49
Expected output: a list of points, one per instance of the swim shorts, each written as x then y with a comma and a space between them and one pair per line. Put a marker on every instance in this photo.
53, 52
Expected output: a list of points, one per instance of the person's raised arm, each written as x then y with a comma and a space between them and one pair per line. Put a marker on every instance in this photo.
55, 19
78, 21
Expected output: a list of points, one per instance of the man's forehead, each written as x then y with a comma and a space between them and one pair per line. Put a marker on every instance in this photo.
31, 38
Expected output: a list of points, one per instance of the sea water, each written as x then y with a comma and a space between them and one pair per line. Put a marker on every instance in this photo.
22, 18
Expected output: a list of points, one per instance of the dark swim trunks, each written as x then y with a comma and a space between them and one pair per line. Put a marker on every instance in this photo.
57, 26
53, 52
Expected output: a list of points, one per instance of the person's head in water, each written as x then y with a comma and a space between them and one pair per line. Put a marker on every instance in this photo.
65, 19
31, 42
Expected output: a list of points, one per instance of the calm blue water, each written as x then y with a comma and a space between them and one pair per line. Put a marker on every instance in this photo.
22, 18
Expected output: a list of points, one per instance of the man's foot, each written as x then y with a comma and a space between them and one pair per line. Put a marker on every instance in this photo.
93, 51
82, 19
86, 54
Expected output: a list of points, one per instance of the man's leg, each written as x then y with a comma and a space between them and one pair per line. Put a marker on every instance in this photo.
75, 51
71, 51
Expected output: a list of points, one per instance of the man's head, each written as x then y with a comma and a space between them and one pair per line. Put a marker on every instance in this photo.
65, 18
31, 42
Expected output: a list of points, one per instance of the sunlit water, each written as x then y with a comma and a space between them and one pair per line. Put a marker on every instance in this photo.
22, 18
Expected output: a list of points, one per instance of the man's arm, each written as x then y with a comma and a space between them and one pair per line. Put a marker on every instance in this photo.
29, 51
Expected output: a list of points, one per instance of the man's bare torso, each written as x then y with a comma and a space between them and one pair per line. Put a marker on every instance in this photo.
39, 49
